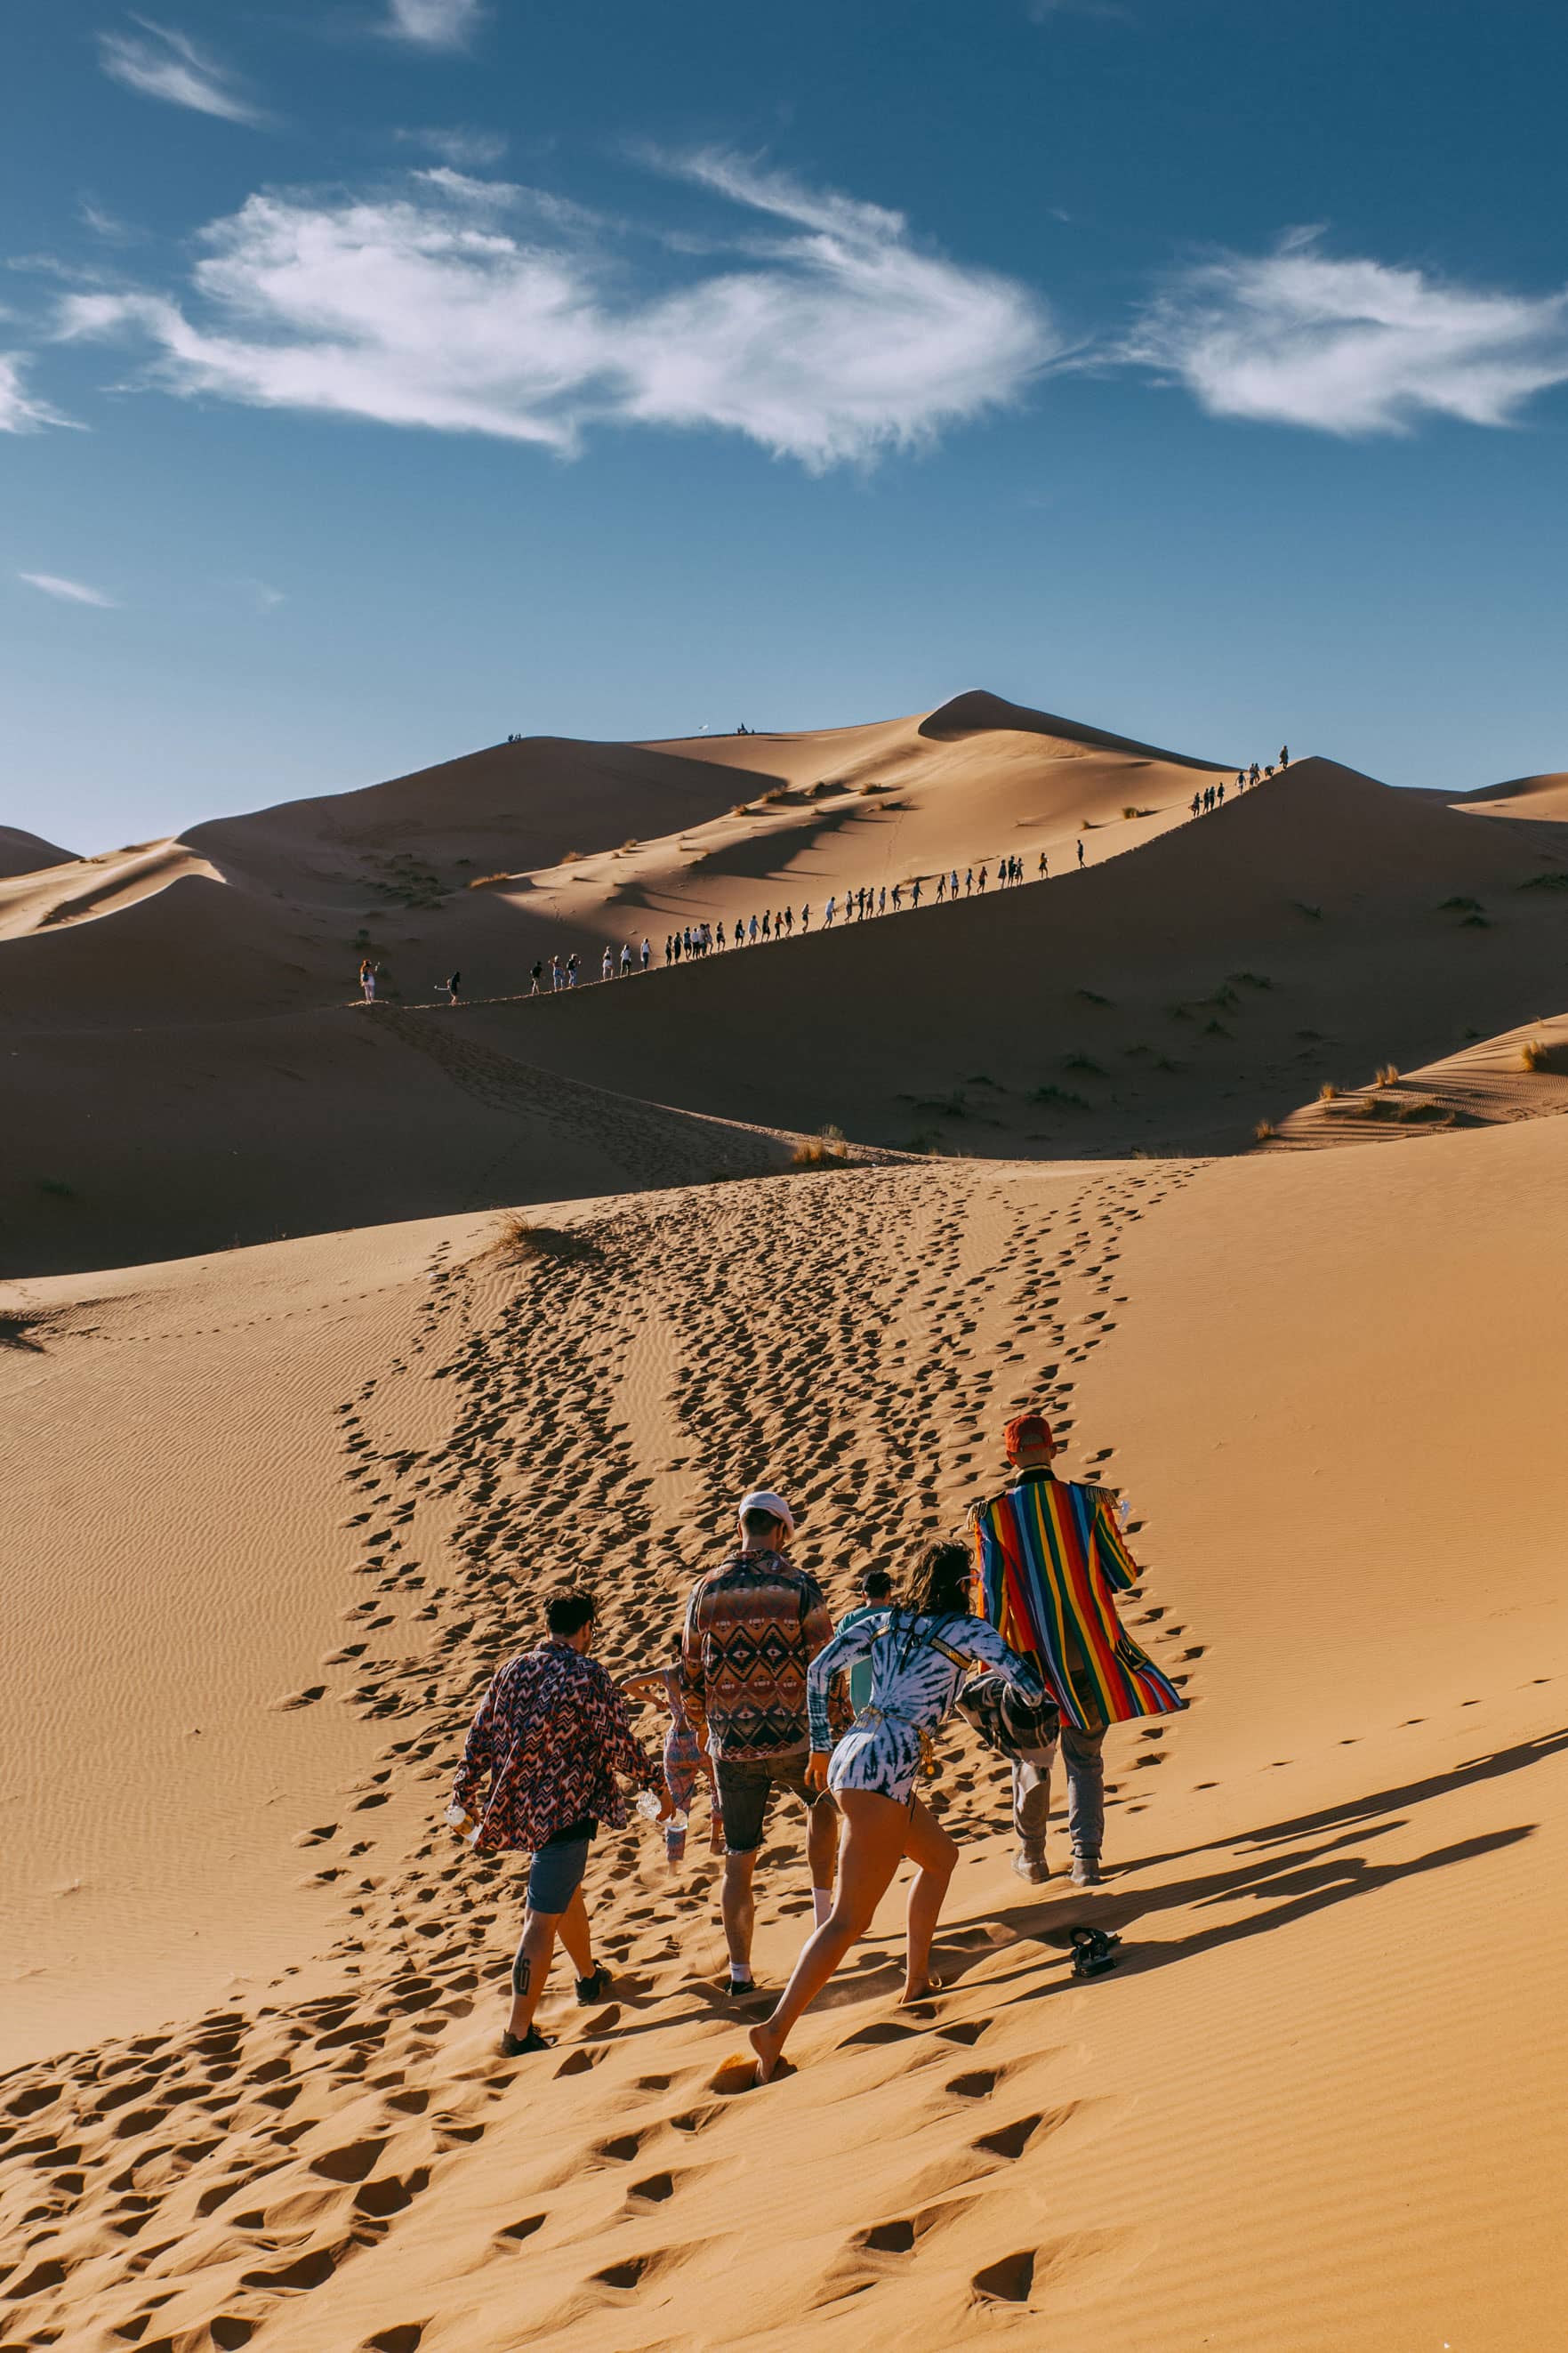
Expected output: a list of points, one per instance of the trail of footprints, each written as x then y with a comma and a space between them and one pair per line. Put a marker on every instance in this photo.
140, 2182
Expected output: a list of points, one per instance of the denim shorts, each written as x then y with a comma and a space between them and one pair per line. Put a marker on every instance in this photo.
556, 1873
745, 1792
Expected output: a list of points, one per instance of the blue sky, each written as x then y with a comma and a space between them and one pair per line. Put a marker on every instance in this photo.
379, 377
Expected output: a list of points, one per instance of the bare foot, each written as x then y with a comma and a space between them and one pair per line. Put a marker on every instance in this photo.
921, 1992
767, 2046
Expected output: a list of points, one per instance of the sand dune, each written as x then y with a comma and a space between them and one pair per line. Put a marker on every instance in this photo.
1522, 1074
1289, 2123
21, 852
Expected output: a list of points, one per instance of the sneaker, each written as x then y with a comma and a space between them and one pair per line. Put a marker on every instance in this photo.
742, 1989
594, 1988
518, 2046
1086, 1871
1032, 1867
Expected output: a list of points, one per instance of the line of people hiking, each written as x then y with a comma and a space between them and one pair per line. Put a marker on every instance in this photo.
549, 975
1016, 1631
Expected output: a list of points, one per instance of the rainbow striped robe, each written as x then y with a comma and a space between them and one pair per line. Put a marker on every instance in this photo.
1049, 1562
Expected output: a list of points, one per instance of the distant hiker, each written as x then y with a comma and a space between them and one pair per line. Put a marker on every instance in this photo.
536, 973
827, 913
1219, 794
981, 886
1241, 780
920, 1653
751, 933
1284, 757
554, 1740
606, 964
898, 897
767, 922
882, 900
367, 973
1081, 853
941, 889
573, 966
806, 917
952, 884
915, 892
686, 1759
645, 952
452, 983
1050, 1560
968, 881
1044, 868
752, 1627
1197, 803
1252, 774
626, 958
557, 978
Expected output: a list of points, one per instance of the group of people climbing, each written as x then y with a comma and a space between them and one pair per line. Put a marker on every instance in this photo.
1016, 1630
1212, 796
854, 906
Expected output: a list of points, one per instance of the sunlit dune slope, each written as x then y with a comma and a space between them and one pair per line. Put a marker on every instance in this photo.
1313, 2108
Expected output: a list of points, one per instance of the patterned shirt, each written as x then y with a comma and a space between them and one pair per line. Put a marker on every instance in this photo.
752, 1628
552, 1733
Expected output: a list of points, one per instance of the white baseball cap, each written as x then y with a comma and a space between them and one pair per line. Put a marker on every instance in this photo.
762, 1499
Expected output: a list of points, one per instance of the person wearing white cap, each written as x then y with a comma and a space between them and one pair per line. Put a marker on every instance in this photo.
752, 1627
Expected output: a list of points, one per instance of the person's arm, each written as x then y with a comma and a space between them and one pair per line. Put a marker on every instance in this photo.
986, 1645
479, 1755
694, 1669
624, 1752
837, 1654
1117, 1565
640, 1689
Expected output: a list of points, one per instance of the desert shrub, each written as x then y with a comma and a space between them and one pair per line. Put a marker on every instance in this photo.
1084, 1063
742, 808
1251, 979
1458, 906
1426, 1110
1305, 907
1387, 1075
866, 791
518, 1237
1091, 997
1064, 1096
779, 793
570, 856
1475, 923
1265, 1132
57, 1189
1557, 881
1535, 1054
1218, 1029
479, 881
825, 1149
1328, 1092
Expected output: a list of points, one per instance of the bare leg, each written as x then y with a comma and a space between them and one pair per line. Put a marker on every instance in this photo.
531, 1969
934, 1855
822, 1841
737, 1908
577, 1935
873, 1849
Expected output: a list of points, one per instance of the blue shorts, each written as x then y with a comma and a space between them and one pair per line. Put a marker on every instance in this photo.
556, 1873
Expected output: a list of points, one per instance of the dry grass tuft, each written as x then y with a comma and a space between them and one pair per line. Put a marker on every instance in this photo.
825, 1149
1265, 1132
1387, 1075
1535, 1054
518, 1237
480, 880
1328, 1092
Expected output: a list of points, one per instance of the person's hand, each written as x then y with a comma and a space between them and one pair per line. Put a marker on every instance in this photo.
666, 1804
817, 1770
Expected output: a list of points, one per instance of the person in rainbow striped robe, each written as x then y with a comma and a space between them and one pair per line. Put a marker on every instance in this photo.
1050, 1560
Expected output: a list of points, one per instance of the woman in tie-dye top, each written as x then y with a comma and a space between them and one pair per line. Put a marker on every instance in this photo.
920, 1653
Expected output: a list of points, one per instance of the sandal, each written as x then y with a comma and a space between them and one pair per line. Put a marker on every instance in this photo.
1094, 1950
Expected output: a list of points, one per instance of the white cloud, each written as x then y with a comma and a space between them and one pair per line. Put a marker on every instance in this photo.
470, 306
433, 24
266, 599
20, 412
162, 63
69, 592
465, 148
1296, 338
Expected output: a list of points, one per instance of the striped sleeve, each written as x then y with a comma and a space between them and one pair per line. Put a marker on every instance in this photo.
1116, 1564
850, 1642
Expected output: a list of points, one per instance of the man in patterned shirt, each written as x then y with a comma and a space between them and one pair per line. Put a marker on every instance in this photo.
552, 1734
753, 1625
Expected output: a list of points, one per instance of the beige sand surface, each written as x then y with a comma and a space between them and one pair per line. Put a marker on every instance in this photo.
1314, 2110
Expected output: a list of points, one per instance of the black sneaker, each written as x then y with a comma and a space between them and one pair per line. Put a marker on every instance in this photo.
742, 1989
594, 1988
518, 2046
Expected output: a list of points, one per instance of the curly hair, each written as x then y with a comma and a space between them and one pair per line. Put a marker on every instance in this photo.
939, 1579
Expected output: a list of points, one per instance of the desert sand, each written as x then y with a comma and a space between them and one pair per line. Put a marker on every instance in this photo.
278, 1510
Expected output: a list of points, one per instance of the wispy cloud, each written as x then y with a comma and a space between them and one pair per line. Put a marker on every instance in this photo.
466, 149
265, 598
69, 592
162, 63
433, 24
470, 306
1349, 347
21, 411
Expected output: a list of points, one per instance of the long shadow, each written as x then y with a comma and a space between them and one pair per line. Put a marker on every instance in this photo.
1489, 1768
